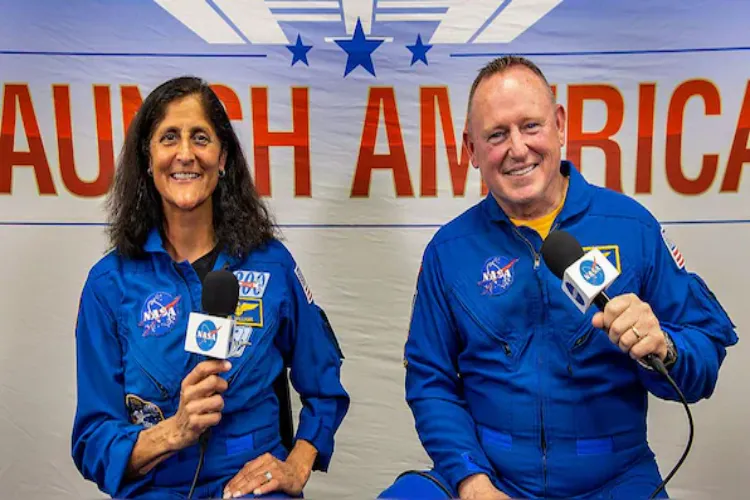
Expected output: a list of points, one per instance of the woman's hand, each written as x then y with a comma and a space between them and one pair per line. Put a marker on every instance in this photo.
200, 402
267, 473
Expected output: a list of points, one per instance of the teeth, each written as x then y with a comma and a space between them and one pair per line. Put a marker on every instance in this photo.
523, 171
184, 176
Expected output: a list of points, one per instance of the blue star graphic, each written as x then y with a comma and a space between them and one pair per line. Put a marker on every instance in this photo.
359, 50
419, 51
299, 51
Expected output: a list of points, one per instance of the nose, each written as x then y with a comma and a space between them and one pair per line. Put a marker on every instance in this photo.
185, 153
518, 149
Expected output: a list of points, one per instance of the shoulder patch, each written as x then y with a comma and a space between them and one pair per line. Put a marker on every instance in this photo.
143, 412
677, 257
303, 283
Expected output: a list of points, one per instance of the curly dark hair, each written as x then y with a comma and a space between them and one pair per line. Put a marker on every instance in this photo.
241, 220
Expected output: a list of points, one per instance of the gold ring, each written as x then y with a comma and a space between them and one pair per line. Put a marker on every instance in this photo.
268, 475
636, 332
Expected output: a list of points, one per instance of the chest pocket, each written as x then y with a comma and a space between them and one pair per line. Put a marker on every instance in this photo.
149, 399
490, 324
151, 367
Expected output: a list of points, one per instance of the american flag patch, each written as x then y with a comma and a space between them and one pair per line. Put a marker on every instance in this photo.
303, 283
673, 250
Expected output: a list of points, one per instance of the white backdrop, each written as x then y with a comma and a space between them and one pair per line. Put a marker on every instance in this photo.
360, 252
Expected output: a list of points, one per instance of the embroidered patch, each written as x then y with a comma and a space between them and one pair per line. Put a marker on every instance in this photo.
249, 312
159, 314
252, 283
303, 283
611, 252
143, 412
677, 257
497, 275
240, 339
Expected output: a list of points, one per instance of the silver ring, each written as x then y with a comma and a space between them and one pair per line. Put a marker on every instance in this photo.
638, 334
268, 475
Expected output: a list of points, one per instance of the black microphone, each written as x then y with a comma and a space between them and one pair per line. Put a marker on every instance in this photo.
559, 251
221, 290
210, 334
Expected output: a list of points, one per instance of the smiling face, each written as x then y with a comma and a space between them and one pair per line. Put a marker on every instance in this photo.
515, 132
185, 157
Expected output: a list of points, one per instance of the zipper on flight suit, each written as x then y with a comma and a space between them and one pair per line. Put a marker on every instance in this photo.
537, 257
194, 359
543, 438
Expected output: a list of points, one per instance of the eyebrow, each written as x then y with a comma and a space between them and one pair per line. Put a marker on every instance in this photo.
193, 130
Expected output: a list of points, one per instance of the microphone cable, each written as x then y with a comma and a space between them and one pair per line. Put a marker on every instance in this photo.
203, 443
658, 365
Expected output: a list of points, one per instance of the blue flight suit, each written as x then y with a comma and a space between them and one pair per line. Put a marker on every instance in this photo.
131, 360
506, 377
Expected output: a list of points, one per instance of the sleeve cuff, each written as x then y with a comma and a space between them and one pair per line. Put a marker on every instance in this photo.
468, 466
115, 481
653, 380
313, 431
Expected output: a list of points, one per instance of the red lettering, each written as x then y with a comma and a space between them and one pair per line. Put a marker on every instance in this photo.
64, 123
229, 98
35, 157
381, 98
298, 138
131, 100
675, 122
740, 153
432, 100
644, 154
578, 139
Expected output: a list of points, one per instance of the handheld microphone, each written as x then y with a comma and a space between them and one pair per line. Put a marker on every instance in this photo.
585, 285
585, 276
210, 334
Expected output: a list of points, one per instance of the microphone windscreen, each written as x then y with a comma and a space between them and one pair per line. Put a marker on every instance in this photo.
559, 250
220, 293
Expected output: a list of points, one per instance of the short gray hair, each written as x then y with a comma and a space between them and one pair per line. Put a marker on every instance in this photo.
502, 64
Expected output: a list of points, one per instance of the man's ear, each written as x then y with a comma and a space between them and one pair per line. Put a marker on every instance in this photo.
469, 145
560, 123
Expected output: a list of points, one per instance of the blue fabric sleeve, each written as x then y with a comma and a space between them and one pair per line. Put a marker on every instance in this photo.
103, 437
314, 357
691, 315
433, 386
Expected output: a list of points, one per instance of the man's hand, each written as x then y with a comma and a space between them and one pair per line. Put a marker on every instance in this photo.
632, 326
479, 487
200, 402
267, 473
